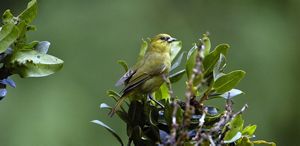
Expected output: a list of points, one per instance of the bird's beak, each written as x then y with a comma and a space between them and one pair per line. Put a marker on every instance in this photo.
170, 40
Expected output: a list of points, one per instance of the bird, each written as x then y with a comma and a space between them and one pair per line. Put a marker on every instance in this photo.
148, 74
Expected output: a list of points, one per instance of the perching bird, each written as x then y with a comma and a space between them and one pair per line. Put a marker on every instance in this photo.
147, 75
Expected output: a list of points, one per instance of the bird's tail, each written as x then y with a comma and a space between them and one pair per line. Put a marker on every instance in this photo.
117, 106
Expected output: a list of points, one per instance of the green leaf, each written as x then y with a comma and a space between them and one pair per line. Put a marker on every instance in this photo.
237, 122
162, 93
222, 48
207, 44
191, 60
249, 130
7, 17
235, 127
8, 34
143, 50
219, 67
123, 64
169, 112
113, 94
29, 63
30, 13
212, 58
176, 76
109, 129
228, 81
177, 62
264, 142
232, 138
245, 141
175, 49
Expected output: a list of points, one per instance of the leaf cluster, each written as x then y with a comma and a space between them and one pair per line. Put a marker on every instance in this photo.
17, 55
171, 120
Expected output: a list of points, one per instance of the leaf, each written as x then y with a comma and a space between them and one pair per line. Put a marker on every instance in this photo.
30, 13
244, 142
232, 93
123, 64
169, 112
143, 49
191, 60
235, 127
264, 142
177, 62
3, 93
207, 44
219, 67
113, 94
222, 48
237, 122
249, 130
7, 17
212, 58
8, 34
109, 129
175, 49
176, 76
212, 110
29, 63
162, 93
104, 106
228, 81
42, 47
9, 82
237, 136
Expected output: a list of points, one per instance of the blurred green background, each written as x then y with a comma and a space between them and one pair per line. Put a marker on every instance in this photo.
90, 36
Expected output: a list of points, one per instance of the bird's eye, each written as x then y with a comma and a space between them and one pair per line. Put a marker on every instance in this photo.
162, 38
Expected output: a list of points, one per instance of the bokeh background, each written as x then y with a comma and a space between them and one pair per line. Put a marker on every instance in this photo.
90, 36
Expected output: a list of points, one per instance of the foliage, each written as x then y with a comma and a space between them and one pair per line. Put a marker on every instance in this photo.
17, 55
189, 121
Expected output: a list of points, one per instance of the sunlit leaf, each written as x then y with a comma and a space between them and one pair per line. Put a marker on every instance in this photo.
30, 13
162, 93
8, 34
235, 128
207, 44
123, 64
109, 129
104, 106
249, 130
29, 63
227, 82
234, 138
7, 17
232, 93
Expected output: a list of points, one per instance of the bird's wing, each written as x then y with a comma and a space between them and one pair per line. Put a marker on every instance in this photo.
125, 78
140, 77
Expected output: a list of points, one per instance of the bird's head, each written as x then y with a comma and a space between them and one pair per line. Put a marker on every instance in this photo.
161, 43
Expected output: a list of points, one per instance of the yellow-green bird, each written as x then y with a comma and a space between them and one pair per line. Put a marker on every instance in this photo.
149, 74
